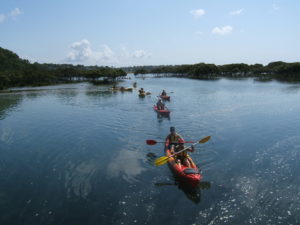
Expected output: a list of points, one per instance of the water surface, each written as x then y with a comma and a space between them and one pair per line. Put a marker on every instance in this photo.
76, 154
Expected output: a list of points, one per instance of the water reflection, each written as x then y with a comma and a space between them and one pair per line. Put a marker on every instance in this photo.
126, 165
291, 89
192, 193
78, 178
161, 118
9, 103
67, 96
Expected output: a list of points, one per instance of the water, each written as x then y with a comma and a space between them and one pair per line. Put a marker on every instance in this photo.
76, 154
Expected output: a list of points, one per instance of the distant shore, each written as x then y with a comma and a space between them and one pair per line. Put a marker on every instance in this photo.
17, 72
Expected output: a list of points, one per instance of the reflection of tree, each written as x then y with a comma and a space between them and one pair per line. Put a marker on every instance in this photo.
8, 103
67, 96
96, 94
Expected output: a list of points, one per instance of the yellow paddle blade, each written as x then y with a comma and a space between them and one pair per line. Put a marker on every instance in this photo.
161, 160
203, 140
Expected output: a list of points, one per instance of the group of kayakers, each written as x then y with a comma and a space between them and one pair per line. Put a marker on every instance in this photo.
174, 141
160, 105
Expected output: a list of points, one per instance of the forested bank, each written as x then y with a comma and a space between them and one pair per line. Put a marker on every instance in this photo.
276, 70
15, 71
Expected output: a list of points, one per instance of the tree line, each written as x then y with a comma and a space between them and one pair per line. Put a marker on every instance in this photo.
15, 71
278, 70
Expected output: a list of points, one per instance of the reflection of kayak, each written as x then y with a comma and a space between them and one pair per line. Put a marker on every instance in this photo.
121, 89
165, 97
166, 111
190, 176
126, 89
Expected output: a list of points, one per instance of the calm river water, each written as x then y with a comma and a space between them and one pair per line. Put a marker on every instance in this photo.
76, 154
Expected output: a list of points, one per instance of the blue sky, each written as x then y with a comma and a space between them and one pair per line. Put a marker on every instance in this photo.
151, 32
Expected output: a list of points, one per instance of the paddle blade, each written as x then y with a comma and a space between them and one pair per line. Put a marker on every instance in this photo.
161, 160
151, 142
203, 140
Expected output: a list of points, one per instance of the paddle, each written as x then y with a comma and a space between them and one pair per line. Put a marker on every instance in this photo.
153, 142
162, 160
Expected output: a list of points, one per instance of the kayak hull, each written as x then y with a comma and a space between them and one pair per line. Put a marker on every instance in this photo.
189, 176
142, 95
165, 97
165, 112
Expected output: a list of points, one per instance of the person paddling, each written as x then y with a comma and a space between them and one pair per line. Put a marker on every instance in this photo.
141, 91
164, 93
173, 137
160, 105
182, 158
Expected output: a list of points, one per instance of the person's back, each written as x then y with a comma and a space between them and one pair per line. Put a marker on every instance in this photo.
141, 91
164, 93
160, 105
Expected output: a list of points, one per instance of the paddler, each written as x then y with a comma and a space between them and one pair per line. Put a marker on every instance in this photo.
141, 91
182, 158
160, 105
164, 93
173, 137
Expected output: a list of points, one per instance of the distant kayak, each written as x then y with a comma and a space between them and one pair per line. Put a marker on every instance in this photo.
165, 97
142, 95
165, 112
190, 176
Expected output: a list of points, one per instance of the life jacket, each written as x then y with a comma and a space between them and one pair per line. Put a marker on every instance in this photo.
174, 138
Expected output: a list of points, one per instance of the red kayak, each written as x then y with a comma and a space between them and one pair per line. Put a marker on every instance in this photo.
165, 97
165, 112
190, 176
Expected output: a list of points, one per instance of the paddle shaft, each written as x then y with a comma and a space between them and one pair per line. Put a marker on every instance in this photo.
162, 160
182, 150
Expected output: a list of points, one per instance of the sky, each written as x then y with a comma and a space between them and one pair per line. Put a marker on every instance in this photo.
151, 32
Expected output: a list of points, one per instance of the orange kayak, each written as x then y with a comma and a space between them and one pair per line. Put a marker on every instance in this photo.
165, 112
190, 176
165, 97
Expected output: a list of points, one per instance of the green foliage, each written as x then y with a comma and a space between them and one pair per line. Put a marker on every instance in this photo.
140, 71
15, 71
18, 72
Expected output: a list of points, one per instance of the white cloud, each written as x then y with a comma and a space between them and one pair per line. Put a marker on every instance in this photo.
81, 52
236, 12
197, 12
140, 54
14, 13
2, 18
223, 30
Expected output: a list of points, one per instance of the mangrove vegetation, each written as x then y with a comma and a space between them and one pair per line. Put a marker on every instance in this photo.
275, 70
15, 71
